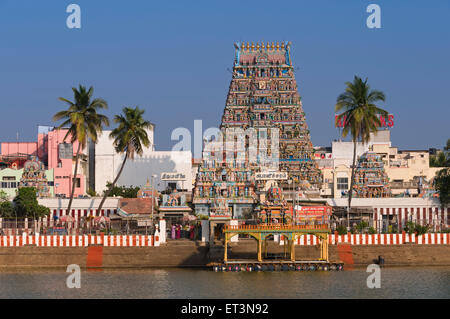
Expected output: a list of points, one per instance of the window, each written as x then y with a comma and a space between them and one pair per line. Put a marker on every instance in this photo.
342, 183
9, 178
9, 185
77, 183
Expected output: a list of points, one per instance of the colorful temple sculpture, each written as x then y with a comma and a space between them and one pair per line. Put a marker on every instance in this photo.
371, 180
274, 208
223, 190
264, 111
264, 95
147, 191
34, 176
175, 209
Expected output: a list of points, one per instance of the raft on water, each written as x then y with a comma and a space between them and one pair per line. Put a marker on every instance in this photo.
250, 266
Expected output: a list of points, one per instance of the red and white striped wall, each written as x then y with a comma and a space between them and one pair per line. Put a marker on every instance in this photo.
78, 213
433, 216
80, 241
377, 239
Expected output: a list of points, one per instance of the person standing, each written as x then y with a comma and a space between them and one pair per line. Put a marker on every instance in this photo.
173, 231
178, 231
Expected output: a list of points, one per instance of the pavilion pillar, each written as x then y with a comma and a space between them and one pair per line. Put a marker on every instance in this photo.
259, 250
225, 255
321, 249
292, 249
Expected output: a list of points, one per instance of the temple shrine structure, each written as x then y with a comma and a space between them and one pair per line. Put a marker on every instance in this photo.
262, 102
34, 176
371, 180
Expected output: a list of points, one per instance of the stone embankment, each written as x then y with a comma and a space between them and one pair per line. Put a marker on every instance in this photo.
185, 253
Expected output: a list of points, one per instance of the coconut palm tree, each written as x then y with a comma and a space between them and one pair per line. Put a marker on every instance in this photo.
83, 122
129, 138
360, 116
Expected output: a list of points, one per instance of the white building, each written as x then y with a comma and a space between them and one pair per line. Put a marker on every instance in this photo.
405, 169
105, 164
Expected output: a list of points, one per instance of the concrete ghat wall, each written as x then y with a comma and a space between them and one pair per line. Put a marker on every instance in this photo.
406, 254
195, 256
110, 257
377, 239
409, 254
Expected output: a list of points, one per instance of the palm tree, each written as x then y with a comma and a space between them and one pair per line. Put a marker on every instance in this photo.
83, 121
360, 116
129, 137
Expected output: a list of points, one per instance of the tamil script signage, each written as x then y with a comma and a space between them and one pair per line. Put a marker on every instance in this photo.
309, 213
173, 176
271, 175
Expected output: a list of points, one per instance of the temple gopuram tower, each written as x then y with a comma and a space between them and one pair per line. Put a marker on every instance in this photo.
263, 95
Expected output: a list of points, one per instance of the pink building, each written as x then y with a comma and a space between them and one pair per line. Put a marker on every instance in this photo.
56, 153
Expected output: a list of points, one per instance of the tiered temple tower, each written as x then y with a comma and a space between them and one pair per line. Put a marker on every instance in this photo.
263, 95
370, 177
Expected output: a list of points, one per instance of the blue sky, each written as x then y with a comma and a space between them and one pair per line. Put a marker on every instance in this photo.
173, 59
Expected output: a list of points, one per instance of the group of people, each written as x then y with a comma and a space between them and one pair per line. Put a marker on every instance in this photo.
192, 232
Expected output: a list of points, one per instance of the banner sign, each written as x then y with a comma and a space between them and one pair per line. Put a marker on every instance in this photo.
271, 175
173, 176
385, 122
319, 213
144, 222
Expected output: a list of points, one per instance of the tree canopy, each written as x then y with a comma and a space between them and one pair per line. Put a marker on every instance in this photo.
25, 204
123, 191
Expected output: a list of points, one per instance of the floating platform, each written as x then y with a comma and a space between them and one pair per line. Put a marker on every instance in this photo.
276, 265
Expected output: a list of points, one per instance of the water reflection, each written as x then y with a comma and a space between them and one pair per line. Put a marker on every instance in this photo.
426, 282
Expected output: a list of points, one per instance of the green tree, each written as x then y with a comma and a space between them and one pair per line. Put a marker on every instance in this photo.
442, 185
92, 192
3, 196
362, 226
122, 191
441, 159
129, 137
360, 116
83, 121
342, 230
6, 209
412, 228
26, 204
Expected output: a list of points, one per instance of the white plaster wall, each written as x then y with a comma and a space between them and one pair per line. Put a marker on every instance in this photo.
343, 152
136, 172
79, 203
386, 202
